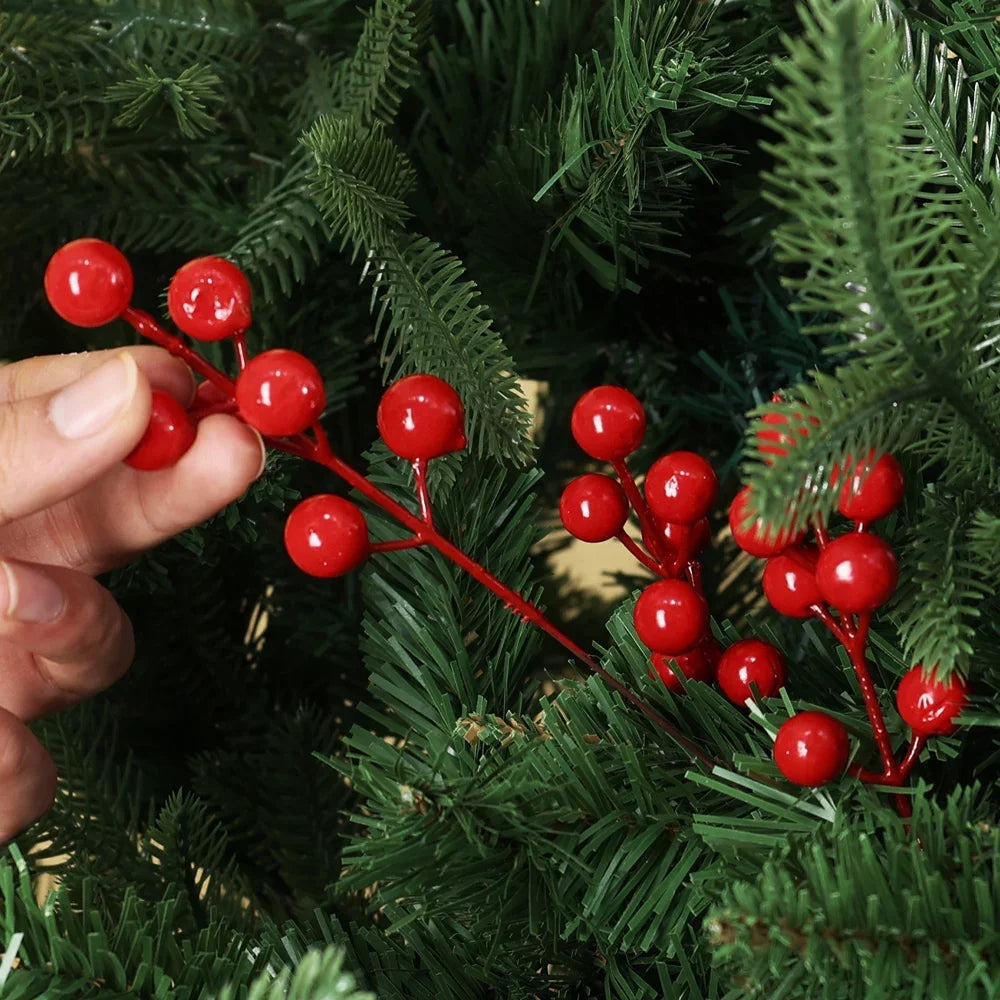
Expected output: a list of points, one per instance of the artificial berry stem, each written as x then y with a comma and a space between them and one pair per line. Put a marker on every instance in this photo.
637, 550
324, 455
146, 326
916, 747
423, 490
651, 533
240, 343
856, 651
822, 535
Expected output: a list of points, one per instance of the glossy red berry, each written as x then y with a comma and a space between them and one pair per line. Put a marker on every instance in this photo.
681, 487
88, 282
811, 749
758, 538
695, 666
421, 416
750, 661
280, 392
608, 423
790, 581
929, 706
326, 536
712, 653
670, 617
857, 572
875, 495
168, 436
593, 508
209, 299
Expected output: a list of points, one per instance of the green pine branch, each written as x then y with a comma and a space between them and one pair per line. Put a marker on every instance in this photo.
872, 906
873, 243
428, 314
187, 95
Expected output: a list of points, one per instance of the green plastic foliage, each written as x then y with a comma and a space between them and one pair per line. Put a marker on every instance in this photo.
186, 95
870, 910
884, 172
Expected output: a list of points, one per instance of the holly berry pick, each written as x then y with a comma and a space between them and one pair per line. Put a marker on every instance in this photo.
841, 581
420, 418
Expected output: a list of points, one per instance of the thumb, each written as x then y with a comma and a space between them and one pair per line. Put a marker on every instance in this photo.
52, 446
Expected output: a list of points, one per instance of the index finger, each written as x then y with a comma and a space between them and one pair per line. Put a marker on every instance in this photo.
39, 376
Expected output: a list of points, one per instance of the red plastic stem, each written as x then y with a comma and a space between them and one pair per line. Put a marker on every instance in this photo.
423, 491
916, 746
856, 650
240, 343
324, 455
651, 533
822, 536
147, 327
637, 550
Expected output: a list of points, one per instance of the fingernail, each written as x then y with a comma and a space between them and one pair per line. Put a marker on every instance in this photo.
263, 453
91, 403
30, 596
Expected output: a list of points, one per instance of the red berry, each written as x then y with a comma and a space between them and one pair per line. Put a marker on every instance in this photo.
929, 706
681, 487
209, 299
696, 535
608, 422
857, 572
326, 536
670, 617
88, 282
811, 749
593, 508
790, 581
695, 666
168, 436
872, 496
421, 416
751, 661
758, 538
280, 392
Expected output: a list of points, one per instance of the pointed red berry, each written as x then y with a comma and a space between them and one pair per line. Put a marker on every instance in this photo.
326, 536
169, 434
811, 749
209, 299
593, 508
670, 617
929, 706
421, 416
857, 572
88, 282
608, 423
280, 393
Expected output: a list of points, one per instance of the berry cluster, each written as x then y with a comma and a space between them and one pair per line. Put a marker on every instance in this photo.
840, 581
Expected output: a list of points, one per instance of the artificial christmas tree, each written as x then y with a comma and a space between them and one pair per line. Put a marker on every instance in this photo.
390, 773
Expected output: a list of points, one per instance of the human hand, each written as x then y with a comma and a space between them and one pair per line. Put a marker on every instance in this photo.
70, 509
